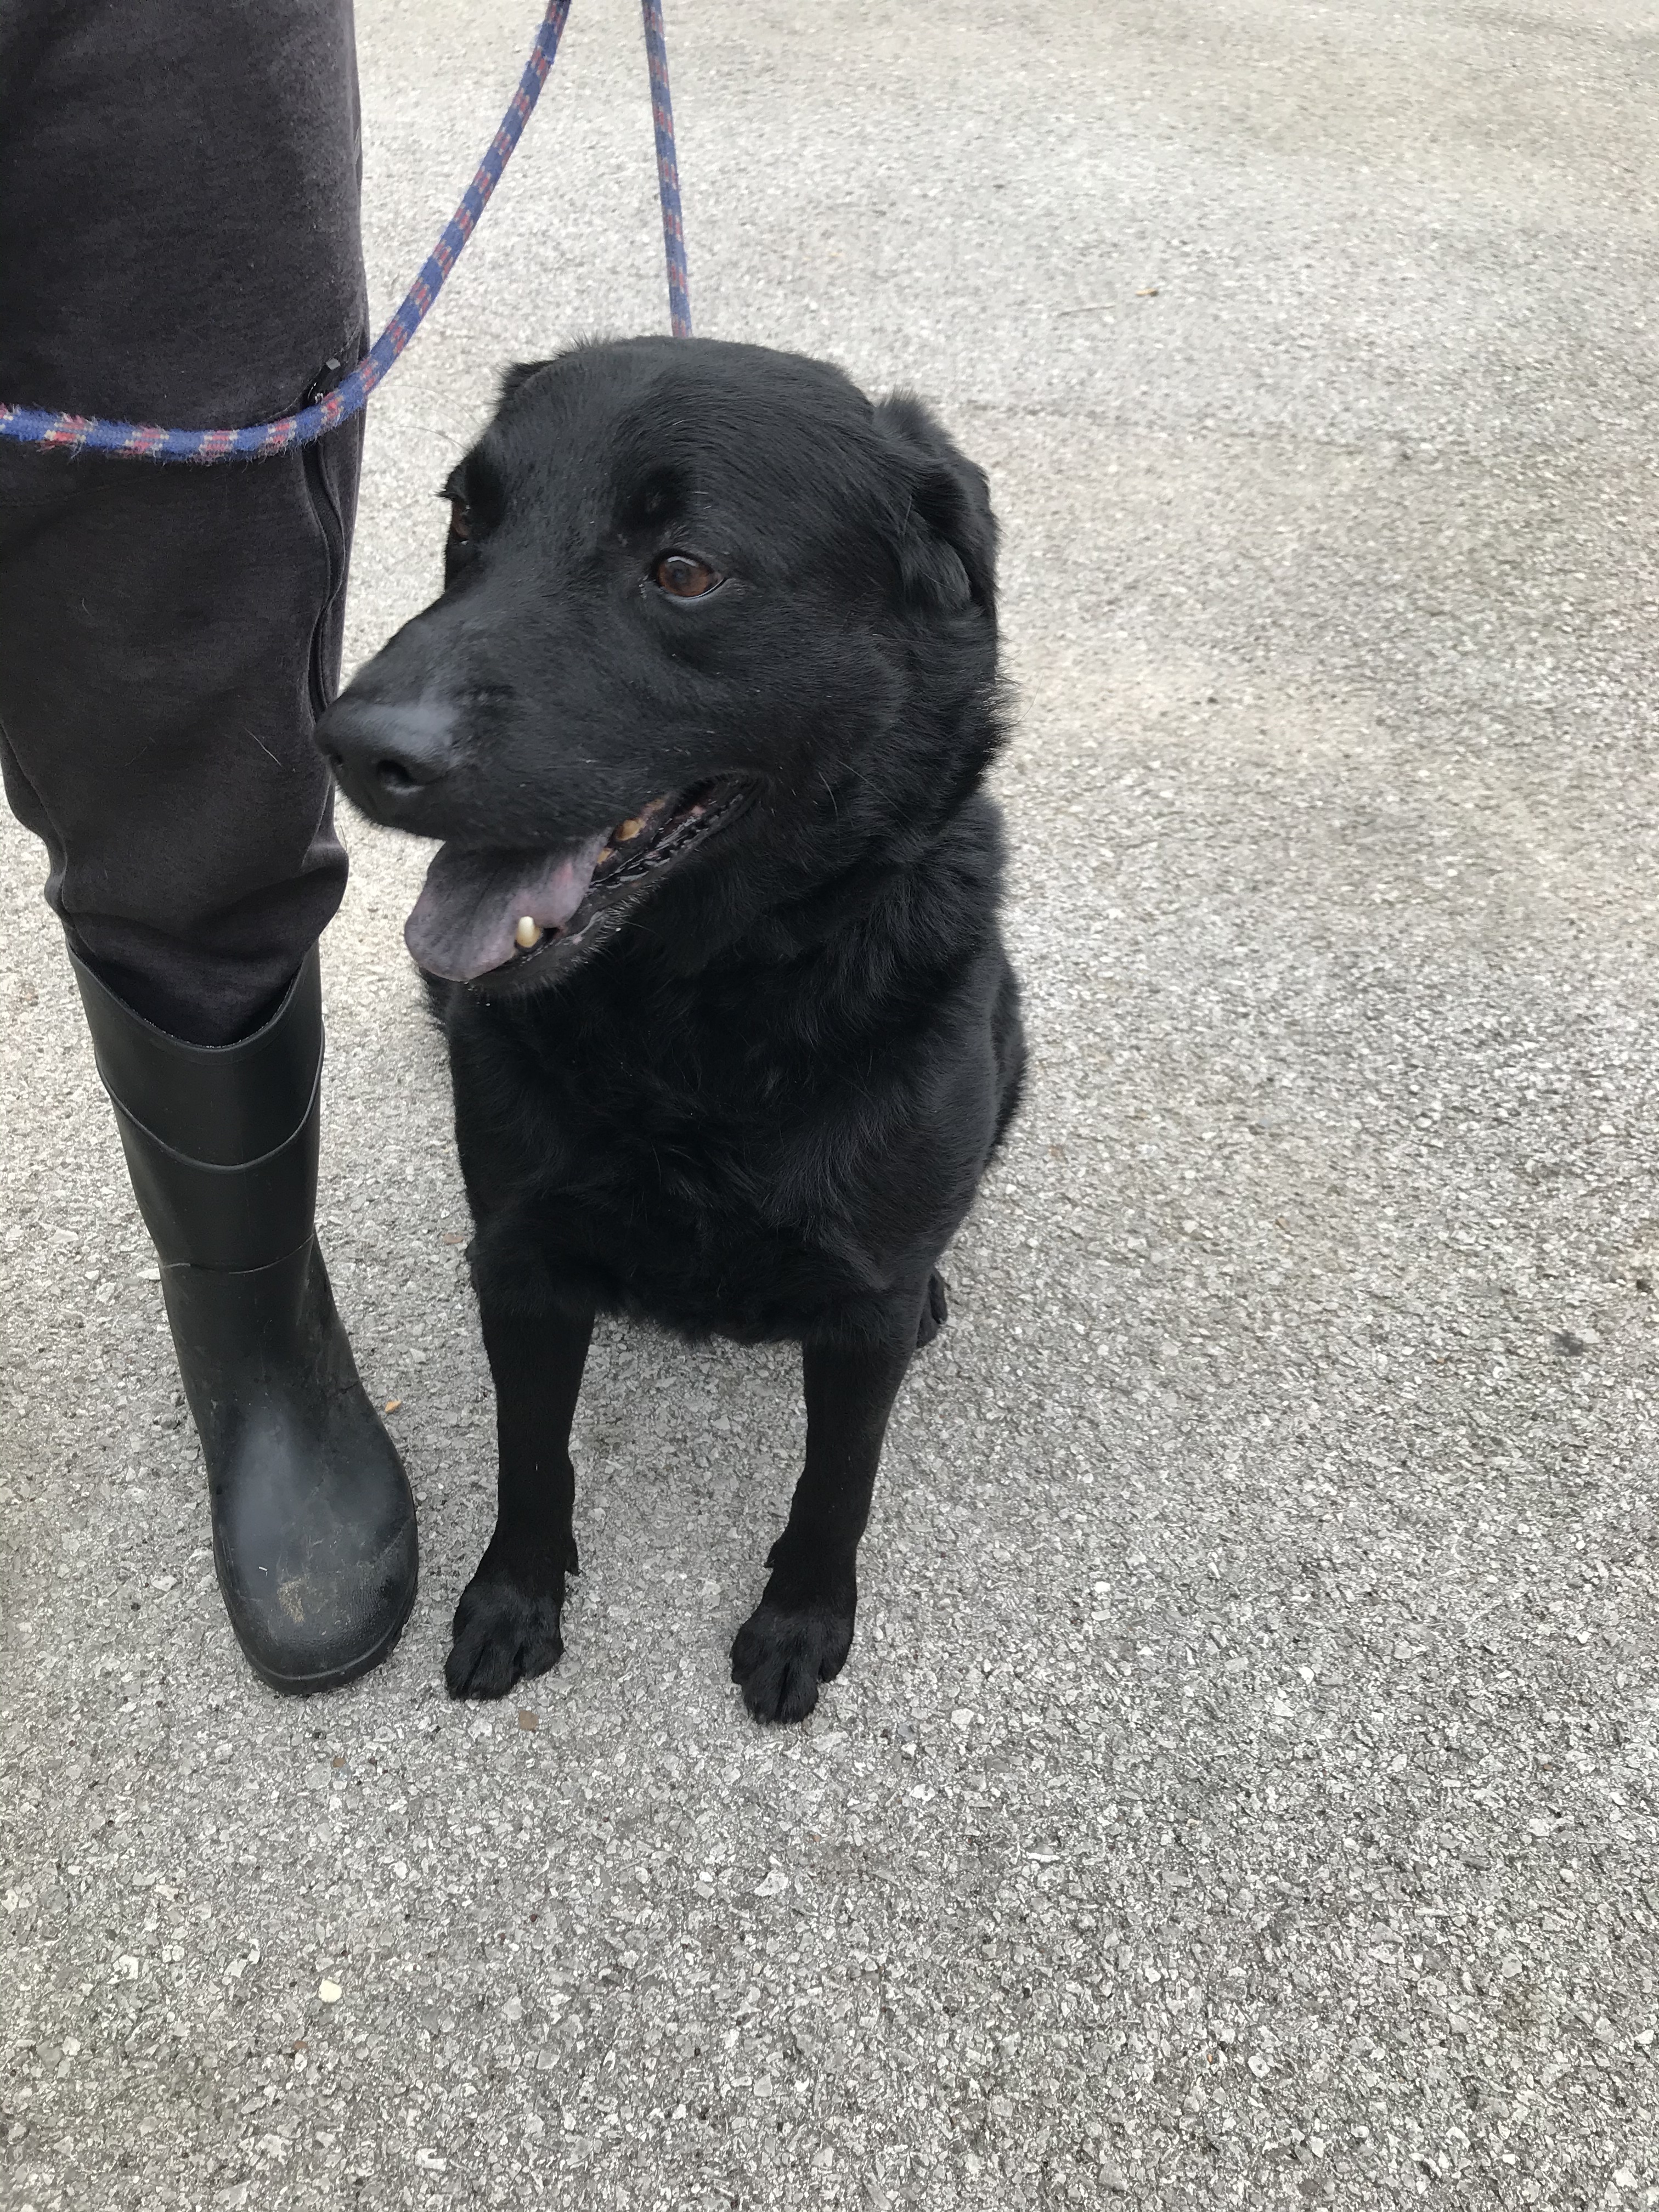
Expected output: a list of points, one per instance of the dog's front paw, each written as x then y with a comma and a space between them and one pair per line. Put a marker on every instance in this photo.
782, 1653
501, 1632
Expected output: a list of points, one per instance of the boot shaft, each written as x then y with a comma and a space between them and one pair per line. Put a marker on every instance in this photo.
220, 1141
313, 1524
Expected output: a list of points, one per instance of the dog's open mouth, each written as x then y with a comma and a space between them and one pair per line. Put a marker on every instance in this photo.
487, 912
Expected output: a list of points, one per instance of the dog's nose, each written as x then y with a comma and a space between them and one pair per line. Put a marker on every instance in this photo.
388, 752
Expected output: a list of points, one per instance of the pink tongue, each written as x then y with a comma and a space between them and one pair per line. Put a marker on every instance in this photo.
471, 903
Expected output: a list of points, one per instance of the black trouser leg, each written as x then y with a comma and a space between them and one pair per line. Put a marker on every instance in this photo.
800, 1633
507, 1624
158, 631
179, 243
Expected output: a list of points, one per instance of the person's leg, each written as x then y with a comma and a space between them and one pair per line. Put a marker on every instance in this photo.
179, 243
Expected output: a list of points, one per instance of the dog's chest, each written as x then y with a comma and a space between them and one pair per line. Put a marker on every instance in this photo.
697, 1178
709, 1220
696, 1248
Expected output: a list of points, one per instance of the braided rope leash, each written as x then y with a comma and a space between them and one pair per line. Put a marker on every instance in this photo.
39, 426
668, 172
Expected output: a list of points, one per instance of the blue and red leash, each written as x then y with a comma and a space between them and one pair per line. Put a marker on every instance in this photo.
39, 426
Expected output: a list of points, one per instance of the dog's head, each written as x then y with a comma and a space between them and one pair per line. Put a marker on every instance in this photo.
714, 630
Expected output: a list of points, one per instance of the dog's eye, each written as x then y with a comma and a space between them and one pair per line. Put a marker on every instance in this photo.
460, 518
684, 578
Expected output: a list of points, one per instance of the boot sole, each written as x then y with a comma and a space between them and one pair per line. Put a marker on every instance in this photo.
333, 1678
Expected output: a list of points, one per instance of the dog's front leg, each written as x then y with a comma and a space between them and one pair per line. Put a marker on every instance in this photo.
801, 1631
507, 1624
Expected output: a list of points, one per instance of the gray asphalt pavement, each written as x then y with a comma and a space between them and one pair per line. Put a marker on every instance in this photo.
1243, 1790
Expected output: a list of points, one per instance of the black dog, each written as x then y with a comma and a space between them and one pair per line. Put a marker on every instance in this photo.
703, 716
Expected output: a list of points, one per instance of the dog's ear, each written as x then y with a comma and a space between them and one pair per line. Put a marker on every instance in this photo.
947, 534
518, 375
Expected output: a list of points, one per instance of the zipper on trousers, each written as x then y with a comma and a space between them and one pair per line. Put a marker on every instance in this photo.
326, 506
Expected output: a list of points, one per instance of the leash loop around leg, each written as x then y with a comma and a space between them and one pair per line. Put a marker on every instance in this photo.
52, 431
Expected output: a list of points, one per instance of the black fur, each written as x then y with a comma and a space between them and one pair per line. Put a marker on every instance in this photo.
756, 1099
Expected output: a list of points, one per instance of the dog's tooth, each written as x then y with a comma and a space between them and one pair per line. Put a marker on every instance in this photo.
528, 933
628, 830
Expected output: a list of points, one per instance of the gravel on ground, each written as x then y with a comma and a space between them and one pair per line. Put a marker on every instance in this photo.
1243, 1790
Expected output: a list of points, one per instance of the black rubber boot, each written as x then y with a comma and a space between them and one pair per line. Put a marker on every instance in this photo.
313, 1524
